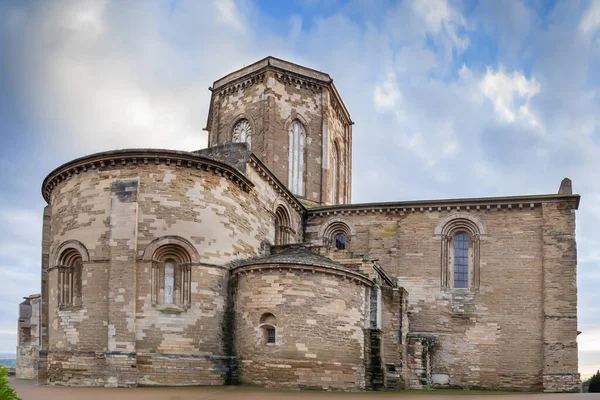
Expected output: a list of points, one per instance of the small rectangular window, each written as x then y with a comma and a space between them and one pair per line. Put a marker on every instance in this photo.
271, 335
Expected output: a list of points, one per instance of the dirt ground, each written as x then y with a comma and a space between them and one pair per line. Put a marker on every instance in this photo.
28, 390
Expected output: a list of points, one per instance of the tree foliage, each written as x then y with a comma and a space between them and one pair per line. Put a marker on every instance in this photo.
595, 383
6, 392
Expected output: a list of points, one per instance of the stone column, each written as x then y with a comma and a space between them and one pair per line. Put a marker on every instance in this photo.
120, 358
559, 372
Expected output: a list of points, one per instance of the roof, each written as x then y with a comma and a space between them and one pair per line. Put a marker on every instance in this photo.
465, 203
276, 63
294, 255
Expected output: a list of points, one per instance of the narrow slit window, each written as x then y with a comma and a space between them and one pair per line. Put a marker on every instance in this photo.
461, 261
169, 281
296, 159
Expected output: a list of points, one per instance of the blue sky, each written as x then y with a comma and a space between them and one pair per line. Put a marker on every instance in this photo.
450, 99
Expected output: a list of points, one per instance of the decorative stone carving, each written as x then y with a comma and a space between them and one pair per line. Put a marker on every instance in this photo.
242, 132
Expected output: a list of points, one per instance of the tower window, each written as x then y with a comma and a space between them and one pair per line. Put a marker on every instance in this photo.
242, 132
296, 158
337, 188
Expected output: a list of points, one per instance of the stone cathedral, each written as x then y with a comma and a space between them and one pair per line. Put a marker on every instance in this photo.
247, 263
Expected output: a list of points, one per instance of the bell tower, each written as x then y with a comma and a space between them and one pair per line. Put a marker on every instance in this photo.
294, 120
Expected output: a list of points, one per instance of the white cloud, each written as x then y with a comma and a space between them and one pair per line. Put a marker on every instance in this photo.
590, 21
387, 95
510, 94
442, 20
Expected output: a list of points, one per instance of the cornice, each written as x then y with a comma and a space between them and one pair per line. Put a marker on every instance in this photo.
256, 73
272, 180
467, 204
344, 273
118, 158
242, 83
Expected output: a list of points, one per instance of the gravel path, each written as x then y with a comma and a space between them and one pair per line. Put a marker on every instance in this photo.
28, 390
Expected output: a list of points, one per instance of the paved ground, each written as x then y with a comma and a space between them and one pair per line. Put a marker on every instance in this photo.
28, 390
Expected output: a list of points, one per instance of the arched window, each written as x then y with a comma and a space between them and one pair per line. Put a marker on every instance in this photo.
296, 158
282, 226
69, 279
268, 328
337, 233
461, 260
335, 177
171, 276
460, 234
242, 132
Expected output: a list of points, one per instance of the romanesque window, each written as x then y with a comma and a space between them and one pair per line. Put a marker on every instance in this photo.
282, 226
69, 259
334, 186
296, 158
268, 328
171, 276
337, 190
242, 132
69, 278
460, 236
337, 233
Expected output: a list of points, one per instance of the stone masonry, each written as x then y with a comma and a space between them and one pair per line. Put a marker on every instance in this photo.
163, 267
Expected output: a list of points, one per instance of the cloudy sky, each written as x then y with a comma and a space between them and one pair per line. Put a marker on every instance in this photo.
450, 99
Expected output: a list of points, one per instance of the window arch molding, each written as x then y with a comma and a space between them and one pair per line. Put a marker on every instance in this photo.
71, 244
150, 253
468, 230
171, 277
334, 227
283, 224
240, 118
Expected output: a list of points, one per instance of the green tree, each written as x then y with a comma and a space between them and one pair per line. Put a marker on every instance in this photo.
6, 392
595, 383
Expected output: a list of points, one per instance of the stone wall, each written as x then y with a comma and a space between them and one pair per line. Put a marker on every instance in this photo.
115, 214
560, 299
29, 337
320, 323
491, 336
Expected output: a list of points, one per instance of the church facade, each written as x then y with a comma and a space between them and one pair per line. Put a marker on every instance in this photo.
247, 263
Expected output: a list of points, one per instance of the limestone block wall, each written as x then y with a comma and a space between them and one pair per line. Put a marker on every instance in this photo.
189, 341
320, 320
337, 130
29, 335
113, 208
394, 331
560, 372
489, 337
